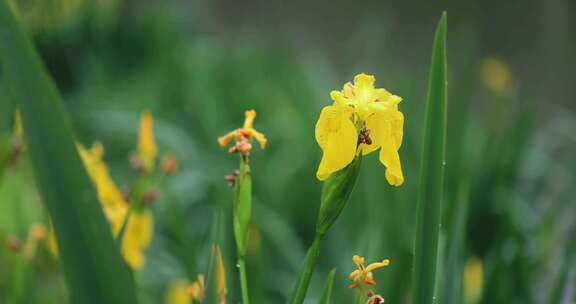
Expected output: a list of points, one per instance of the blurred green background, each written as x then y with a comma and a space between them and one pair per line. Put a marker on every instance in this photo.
197, 65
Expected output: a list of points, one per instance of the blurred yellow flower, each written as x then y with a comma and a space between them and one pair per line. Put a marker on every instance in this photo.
363, 275
497, 76
182, 292
177, 293
146, 143
113, 203
473, 277
360, 120
197, 289
137, 237
246, 132
220, 275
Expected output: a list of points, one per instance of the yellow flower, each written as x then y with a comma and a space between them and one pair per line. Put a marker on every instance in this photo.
113, 203
146, 143
182, 292
139, 227
361, 119
137, 237
473, 276
246, 132
220, 274
197, 289
363, 275
177, 293
497, 76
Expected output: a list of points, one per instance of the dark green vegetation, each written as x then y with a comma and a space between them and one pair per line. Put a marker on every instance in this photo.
509, 194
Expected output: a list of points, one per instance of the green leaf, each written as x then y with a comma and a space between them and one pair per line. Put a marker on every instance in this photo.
90, 259
431, 174
327, 293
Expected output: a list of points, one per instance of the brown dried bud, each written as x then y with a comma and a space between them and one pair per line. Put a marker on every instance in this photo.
13, 244
231, 179
150, 196
169, 164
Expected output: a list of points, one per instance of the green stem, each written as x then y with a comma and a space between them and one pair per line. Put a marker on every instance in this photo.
243, 280
361, 294
309, 266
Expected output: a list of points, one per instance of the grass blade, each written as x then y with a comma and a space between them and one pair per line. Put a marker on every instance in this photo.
90, 259
431, 174
327, 293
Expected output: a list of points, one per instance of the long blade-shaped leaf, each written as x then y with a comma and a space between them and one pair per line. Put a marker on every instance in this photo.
91, 261
431, 174
327, 293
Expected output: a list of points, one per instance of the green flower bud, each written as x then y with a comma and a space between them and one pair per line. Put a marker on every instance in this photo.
335, 194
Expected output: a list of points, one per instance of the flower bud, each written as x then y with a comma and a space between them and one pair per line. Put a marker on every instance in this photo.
335, 194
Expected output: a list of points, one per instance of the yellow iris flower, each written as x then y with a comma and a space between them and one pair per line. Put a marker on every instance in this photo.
363, 275
177, 293
113, 203
146, 143
247, 131
361, 119
137, 237
139, 227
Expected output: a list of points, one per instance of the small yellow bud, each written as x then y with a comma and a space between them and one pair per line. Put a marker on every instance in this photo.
146, 143
220, 276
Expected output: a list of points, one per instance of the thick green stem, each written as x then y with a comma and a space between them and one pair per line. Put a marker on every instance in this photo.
243, 280
306, 275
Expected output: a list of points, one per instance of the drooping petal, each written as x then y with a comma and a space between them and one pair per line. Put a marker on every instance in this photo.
337, 136
260, 138
386, 132
391, 160
377, 265
224, 140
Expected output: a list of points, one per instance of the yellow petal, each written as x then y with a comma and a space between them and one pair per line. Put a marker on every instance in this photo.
390, 158
348, 90
137, 237
260, 138
364, 85
223, 141
386, 132
359, 261
177, 293
355, 274
377, 265
337, 136
146, 143
249, 117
